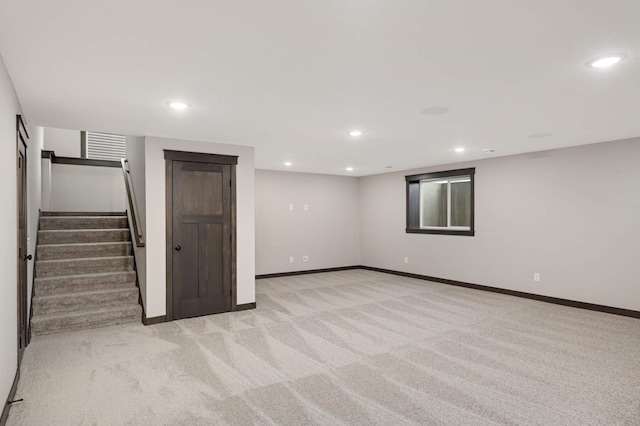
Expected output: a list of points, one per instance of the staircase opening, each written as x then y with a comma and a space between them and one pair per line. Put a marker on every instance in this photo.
89, 235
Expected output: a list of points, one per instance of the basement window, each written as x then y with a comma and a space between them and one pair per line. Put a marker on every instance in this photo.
441, 203
103, 146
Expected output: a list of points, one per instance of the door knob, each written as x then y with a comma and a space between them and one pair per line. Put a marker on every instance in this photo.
27, 257
178, 248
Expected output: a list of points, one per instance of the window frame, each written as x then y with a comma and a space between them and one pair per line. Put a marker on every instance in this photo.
414, 207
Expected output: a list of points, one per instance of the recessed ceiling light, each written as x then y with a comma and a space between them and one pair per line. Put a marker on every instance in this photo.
355, 133
435, 110
349, 169
488, 150
388, 167
178, 105
539, 135
288, 163
606, 61
460, 149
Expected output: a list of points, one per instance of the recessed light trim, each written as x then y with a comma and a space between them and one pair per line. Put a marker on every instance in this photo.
606, 61
178, 105
435, 110
349, 169
355, 133
288, 163
460, 149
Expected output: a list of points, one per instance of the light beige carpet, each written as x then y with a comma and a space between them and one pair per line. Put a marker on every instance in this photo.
353, 347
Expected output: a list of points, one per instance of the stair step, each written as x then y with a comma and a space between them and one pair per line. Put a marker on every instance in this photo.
47, 214
80, 250
83, 222
53, 268
88, 282
83, 236
72, 302
80, 320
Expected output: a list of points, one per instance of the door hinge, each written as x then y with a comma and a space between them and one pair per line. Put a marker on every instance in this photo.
229, 183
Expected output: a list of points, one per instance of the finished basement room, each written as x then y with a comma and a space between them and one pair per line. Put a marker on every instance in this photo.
320, 213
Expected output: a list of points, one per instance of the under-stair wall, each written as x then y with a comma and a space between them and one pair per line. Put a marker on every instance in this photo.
82, 188
71, 182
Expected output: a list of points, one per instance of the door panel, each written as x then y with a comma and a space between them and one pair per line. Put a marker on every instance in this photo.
201, 240
202, 192
213, 271
187, 260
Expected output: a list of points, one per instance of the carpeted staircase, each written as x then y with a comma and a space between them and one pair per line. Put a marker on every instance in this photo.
84, 276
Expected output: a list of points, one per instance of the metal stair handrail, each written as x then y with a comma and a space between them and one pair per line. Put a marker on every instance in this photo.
137, 230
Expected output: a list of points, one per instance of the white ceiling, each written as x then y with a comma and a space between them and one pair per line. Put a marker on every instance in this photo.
293, 77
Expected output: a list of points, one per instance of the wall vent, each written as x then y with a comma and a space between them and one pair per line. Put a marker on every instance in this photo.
104, 146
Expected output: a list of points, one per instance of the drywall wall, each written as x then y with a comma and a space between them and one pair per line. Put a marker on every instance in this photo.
135, 158
569, 214
34, 197
45, 184
9, 107
65, 143
87, 188
156, 222
326, 231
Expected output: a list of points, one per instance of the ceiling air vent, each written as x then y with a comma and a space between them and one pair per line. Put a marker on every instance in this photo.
104, 146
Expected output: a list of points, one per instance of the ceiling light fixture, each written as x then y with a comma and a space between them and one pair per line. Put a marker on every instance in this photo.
288, 163
488, 151
606, 61
460, 149
349, 169
178, 105
355, 133
388, 167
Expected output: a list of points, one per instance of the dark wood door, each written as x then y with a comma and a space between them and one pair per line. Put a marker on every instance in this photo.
22, 247
201, 238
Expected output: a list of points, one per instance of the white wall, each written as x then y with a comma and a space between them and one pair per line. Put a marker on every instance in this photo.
136, 158
34, 172
9, 107
87, 188
328, 232
156, 223
65, 143
45, 183
572, 215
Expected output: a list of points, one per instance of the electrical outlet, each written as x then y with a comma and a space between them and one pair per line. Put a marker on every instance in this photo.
536, 277
305, 258
406, 260
290, 259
